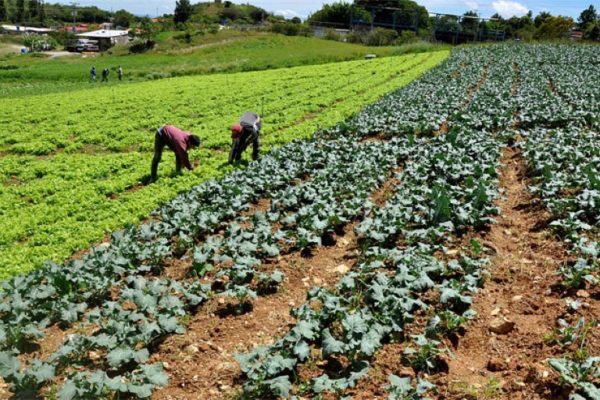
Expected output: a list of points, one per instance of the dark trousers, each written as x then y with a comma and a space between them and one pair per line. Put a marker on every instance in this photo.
159, 145
238, 146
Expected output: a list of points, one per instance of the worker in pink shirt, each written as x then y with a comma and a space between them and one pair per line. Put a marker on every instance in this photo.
178, 141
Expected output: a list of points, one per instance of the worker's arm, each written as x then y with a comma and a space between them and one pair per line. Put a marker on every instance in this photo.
183, 159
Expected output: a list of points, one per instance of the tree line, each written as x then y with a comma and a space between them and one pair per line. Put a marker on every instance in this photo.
407, 15
40, 13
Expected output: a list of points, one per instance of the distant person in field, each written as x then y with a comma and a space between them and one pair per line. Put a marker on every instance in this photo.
178, 141
105, 73
120, 73
244, 132
93, 74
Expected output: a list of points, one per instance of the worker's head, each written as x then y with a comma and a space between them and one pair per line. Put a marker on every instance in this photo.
194, 141
236, 130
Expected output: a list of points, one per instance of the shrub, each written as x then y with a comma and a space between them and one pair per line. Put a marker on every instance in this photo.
291, 29
141, 46
332, 34
407, 37
381, 37
355, 37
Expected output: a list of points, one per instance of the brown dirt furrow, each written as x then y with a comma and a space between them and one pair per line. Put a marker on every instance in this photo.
526, 256
201, 363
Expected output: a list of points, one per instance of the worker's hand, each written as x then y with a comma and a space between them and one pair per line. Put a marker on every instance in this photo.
195, 163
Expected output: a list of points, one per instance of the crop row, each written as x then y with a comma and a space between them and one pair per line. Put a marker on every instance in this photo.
143, 311
565, 164
558, 120
447, 186
61, 206
379, 299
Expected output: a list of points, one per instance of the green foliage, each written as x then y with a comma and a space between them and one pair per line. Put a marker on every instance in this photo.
587, 17
340, 14
554, 28
123, 18
3, 11
381, 37
291, 29
104, 168
402, 389
183, 11
409, 13
407, 37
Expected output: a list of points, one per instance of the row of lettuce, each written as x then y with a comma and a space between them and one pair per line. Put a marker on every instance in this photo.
447, 186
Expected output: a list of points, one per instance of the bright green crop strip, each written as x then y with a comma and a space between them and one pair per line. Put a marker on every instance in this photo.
71, 165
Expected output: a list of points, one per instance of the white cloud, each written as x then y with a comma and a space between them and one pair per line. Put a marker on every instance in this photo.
473, 5
509, 9
287, 13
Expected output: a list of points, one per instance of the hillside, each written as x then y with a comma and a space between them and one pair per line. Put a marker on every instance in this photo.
223, 52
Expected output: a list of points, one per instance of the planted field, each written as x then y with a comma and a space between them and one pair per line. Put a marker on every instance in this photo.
72, 166
227, 51
442, 243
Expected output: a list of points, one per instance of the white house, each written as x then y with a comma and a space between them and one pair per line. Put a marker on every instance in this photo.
107, 38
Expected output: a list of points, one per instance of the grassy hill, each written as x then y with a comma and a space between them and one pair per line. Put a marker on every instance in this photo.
227, 51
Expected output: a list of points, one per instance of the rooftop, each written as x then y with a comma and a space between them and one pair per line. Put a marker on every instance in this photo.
104, 33
20, 28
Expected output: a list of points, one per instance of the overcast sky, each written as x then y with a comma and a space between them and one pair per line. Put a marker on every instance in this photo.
303, 8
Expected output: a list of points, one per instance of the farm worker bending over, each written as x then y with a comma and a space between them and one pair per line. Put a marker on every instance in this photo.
248, 129
178, 141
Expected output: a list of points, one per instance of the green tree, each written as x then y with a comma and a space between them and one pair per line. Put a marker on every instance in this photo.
124, 18
554, 28
33, 9
183, 11
3, 11
148, 29
470, 21
20, 11
41, 12
540, 18
593, 31
340, 14
408, 12
587, 17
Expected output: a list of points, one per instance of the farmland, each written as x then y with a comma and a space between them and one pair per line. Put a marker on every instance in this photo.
227, 51
441, 243
99, 142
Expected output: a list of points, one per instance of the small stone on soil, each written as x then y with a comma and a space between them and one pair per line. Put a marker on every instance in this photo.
192, 349
583, 293
342, 269
406, 372
501, 326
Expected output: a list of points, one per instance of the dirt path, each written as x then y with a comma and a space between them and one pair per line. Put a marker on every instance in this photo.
520, 298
